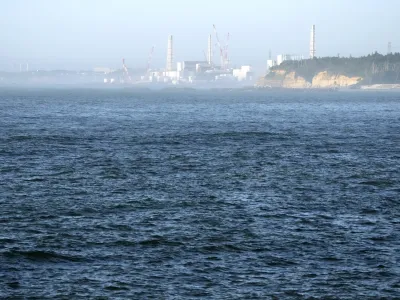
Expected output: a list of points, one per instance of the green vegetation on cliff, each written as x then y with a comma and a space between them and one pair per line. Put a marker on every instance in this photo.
374, 68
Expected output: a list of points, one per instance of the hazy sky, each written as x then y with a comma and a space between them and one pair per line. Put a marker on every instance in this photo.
82, 34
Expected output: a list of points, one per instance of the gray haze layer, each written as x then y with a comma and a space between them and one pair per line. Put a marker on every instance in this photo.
78, 34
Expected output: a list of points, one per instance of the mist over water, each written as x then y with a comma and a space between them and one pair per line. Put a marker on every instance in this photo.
199, 194
81, 35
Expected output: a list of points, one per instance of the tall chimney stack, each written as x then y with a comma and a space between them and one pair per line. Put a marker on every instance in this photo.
312, 42
170, 54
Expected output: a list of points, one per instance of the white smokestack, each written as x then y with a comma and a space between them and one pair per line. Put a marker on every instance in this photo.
170, 54
312, 42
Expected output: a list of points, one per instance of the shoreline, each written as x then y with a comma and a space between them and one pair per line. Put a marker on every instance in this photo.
101, 87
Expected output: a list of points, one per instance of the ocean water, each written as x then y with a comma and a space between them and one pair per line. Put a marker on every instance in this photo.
123, 194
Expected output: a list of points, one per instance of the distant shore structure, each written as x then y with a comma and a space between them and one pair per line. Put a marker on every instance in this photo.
312, 42
170, 54
209, 50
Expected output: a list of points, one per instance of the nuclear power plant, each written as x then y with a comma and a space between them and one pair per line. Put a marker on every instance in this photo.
192, 72
201, 71
215, 70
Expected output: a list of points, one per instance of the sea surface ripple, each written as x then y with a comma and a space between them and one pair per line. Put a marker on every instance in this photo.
126, 194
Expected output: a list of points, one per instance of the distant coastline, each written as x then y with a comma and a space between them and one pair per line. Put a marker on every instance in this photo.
372, 72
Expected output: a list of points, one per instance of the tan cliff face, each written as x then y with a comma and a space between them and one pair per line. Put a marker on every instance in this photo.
322, 80
293, 82
325, 80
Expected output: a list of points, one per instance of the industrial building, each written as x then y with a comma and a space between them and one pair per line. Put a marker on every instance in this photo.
289, 57
243, 74
200, 71
281, 58
271, 63
190, 72
192, 66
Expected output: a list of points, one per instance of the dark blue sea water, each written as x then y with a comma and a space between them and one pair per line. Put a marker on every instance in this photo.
111, 194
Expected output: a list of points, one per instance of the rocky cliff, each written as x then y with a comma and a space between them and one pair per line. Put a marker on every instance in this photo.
284, 79
334, 72
292, 81
326, 80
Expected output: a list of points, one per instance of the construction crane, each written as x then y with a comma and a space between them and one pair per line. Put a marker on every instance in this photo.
126, 72
205, 55
221, 50
224, 50
226, 57
150, 58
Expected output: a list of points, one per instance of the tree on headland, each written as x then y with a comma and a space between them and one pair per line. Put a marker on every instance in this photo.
373, 68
